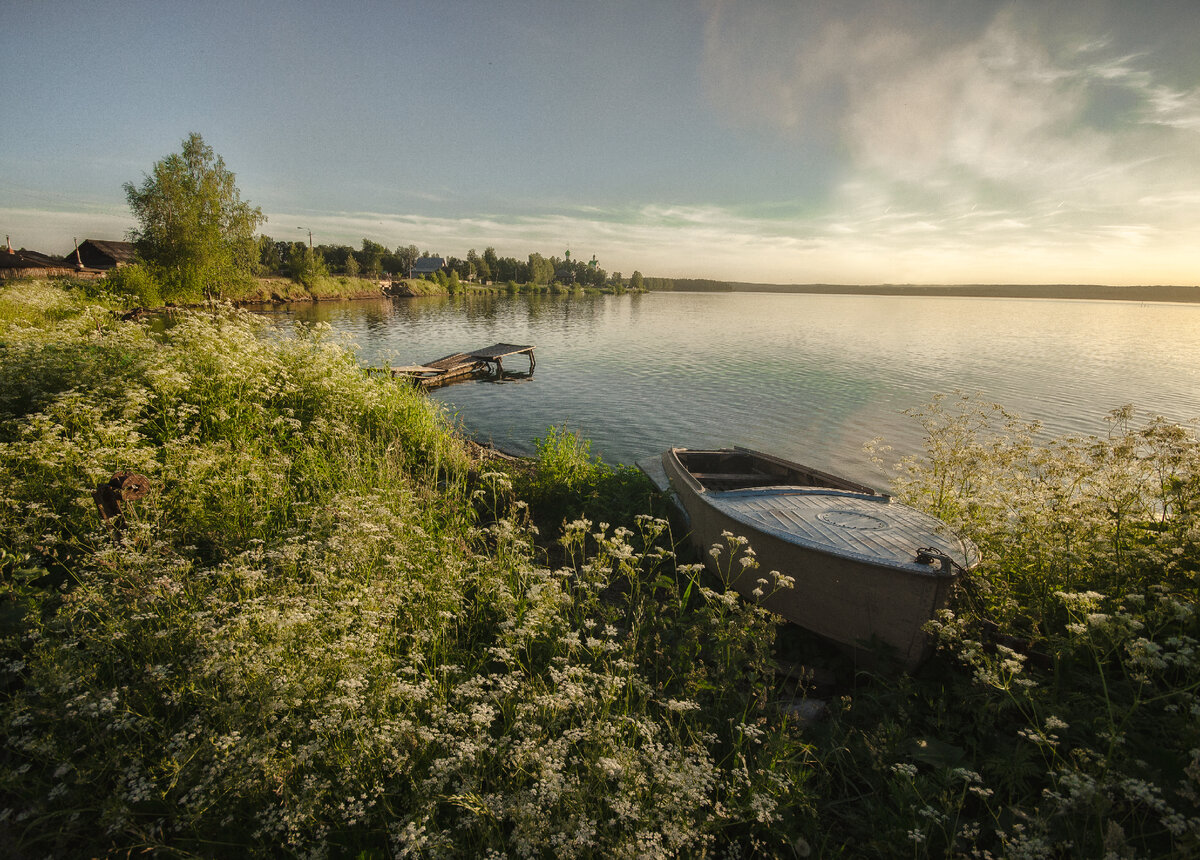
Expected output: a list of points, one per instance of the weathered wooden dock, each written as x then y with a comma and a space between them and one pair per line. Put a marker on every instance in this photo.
481, 363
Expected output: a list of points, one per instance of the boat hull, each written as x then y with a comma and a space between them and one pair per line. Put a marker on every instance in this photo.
841, 595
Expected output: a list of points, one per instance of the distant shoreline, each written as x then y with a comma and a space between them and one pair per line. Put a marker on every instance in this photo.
1086, 292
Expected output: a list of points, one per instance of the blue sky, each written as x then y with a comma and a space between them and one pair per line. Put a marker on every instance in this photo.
957, 141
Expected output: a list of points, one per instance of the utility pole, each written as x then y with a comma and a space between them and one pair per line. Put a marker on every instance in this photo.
308, 264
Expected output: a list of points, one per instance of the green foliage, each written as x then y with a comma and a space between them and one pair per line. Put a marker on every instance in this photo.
135, 284
371, 257
566, 482
318, 635
269, 258
42, 304
1104, 514
1059, 717
306, 266
195, 231
541, 270
299, 642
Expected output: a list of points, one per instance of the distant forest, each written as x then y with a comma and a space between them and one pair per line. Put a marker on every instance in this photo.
376, 260
1012, 291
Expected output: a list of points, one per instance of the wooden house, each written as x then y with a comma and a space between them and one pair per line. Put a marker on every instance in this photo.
426, 266
101, 254
30, 264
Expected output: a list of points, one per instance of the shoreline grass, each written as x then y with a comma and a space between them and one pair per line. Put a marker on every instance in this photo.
327, 631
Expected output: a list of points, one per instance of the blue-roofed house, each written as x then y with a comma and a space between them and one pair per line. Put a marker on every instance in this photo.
426, 266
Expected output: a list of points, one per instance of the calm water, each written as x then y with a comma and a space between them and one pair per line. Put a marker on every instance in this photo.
809, 377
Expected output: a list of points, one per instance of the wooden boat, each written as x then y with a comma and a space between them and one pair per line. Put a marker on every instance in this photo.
867, 569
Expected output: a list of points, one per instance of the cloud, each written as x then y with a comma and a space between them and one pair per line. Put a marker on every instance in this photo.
1001, 130
955, 142
51, 231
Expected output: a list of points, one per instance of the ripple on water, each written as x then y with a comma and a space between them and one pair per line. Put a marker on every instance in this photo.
805, 376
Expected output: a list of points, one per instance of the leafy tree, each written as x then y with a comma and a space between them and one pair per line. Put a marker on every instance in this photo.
460, 266
371, 257
635, 281
335, 256
195, 232
269, 258
479, 267
305, 265
351, 265
508, 269
541, 270
405, 257
135, 284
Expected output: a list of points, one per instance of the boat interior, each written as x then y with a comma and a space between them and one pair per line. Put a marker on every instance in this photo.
740, 469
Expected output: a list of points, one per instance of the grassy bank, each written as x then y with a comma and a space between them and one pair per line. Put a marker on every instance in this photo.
326, 630
134, 286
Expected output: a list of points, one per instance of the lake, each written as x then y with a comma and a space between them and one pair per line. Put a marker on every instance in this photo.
808, 377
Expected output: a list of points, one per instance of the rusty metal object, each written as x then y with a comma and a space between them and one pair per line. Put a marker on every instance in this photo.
121, 487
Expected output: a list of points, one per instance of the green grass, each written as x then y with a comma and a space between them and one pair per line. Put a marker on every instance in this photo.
325, 631
305, 639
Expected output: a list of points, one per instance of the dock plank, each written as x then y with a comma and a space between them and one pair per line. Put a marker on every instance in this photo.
462, 365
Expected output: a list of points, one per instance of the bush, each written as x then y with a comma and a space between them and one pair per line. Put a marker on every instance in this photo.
134, 284
566, 482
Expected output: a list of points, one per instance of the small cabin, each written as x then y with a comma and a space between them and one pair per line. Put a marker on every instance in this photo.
101, 254
426, 266
30, 264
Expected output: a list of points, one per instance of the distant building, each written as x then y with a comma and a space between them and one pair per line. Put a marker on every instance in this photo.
101, 254
30, 264
426, 266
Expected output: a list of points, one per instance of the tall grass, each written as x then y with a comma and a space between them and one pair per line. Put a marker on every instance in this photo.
1080, 734
323, 632
303, 641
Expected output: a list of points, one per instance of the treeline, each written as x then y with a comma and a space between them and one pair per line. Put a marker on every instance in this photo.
301, 262
699, 285
197, 239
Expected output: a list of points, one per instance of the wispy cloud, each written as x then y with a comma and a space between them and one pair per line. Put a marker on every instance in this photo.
995, 136
940, 142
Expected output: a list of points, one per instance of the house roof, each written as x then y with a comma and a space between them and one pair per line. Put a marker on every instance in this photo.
102, 253
28, 260
428, 265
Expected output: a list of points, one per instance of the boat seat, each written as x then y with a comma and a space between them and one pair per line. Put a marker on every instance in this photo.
731, 476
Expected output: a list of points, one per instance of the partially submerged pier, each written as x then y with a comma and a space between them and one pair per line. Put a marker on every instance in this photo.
486, 363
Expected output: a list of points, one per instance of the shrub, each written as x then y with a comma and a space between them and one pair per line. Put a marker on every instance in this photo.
134, 284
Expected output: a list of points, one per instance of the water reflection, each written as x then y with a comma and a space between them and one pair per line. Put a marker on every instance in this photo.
809, 377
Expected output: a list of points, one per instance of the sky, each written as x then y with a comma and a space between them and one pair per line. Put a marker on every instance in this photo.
827, 141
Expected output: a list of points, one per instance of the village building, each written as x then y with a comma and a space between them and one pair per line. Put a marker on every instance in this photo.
101, 254
30, 264
426, 266
92, 258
